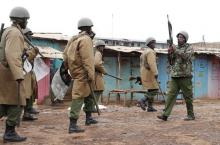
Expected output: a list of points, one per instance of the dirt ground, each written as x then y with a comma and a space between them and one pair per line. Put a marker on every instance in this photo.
120, 125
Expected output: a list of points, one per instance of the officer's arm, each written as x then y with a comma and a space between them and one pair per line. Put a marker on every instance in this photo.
99, 63
13, 52
87, 56
151, 60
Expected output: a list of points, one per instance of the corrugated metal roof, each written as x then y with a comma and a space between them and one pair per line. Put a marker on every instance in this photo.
49, 52
214, 51
53, 36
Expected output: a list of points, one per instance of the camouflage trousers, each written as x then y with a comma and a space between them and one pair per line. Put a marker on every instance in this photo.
175, 85
13, 113
76, 106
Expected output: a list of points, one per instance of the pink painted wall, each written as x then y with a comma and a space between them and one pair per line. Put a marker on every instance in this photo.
214, 77
43, 85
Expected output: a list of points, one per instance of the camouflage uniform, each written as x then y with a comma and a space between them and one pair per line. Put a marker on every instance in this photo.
181, 78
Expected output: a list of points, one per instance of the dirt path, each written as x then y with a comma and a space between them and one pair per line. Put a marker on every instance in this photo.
126, 126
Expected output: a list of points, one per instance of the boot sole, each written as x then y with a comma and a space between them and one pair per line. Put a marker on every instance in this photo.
5, 141
76, 131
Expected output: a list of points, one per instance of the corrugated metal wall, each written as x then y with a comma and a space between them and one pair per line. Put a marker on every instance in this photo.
53, 44
43, 85
214, 77
200, 76
206, 75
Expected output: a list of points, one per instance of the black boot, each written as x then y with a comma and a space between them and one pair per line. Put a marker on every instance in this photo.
151, 109
163, 117
12, 136
189, 118
89, 119
73, 128
33, 111
142, 103
28, 117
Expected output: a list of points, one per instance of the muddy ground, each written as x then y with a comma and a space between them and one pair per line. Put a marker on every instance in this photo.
120, 125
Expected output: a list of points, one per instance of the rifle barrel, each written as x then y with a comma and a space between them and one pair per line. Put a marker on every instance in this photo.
113, 76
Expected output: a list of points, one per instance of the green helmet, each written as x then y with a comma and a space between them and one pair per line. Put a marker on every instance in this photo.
27, 30
149, 40
19, 12
85, 22
184, 33
99, 43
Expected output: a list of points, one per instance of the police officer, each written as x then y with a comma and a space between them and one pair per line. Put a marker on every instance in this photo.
149, 74
99, 69
181, 76
11, 73
30, 79
79, 59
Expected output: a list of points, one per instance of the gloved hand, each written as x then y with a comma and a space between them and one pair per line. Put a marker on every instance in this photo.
156, 76
19, 80
138, 80
90, 78
171, 49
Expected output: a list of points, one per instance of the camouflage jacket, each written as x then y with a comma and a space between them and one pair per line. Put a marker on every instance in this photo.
182, 61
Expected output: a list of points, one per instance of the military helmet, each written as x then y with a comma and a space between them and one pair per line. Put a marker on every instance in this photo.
27, 30
99, 43
19, 12
85, 22
149, 40
184, 33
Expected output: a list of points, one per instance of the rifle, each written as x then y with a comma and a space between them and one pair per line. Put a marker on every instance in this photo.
170, 41
113, 76
29, 42
161, 90
109, 75
18, 100
1, 31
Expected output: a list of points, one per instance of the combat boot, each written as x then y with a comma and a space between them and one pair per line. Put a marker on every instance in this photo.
73, 128
163, 117
189, 118
28, 117
89, 119
142, 103
12, 136
33, 111
151, 109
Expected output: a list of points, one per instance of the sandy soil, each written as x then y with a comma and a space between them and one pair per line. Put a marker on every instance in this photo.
120, 125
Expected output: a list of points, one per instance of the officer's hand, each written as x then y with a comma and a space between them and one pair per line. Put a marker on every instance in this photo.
171, 49
139, 80
105, 73
19, 80
90, 79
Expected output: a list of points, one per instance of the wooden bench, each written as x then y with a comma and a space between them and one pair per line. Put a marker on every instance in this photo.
118, 92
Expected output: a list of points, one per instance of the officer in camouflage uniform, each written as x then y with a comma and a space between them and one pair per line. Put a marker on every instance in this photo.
149, 74
79, 59
181, 76
30, 80
12, 98
99, 70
